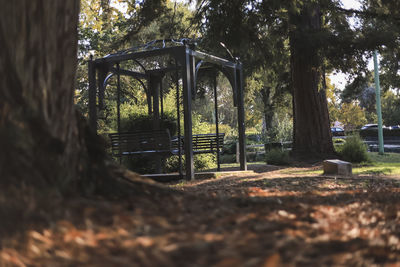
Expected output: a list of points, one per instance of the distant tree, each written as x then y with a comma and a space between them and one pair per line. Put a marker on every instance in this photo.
127, 25
333, 101
320, 39
391, 108
352, 115
263, 33
381, 19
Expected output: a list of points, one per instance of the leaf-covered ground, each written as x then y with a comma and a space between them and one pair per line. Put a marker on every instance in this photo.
269, 218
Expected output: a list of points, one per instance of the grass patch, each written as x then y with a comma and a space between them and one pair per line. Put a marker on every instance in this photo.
385, 158
387, 164
180, 184
232, 165
304, 171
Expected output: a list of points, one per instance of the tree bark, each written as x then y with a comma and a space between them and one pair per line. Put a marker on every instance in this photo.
43, 140
268, 107
311, 118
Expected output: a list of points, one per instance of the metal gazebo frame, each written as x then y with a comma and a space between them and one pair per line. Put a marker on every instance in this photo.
189, 63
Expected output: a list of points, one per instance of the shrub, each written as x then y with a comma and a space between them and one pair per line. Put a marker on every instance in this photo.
144, 122
354, 150
201, 162
205, 161
229, 147
172, 164
281, 129
338, 141
228, 158
277, 157
260, 157
143, 164
251, 156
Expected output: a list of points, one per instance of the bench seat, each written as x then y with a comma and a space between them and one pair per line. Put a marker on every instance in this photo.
140, 142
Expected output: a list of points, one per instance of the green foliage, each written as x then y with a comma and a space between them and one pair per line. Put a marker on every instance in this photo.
385, 158
339, 141
142, 122
281, 129
228, 158
143, 164
352, 115
254, 138
255, 157
108, 26
204, 106
172, 164
354, 150
205, 161
391, 108
277, 157
201, 162
229, 147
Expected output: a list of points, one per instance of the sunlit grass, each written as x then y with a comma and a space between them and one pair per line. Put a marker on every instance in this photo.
305, 171
231, 165
387, 164
385, 158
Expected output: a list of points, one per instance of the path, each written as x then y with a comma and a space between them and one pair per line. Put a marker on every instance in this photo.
271, 218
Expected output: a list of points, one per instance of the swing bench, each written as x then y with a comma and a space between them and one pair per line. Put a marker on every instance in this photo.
203, 143
160, 142
140, 142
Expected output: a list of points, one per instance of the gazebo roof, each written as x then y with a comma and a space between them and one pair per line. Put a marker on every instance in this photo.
165, 47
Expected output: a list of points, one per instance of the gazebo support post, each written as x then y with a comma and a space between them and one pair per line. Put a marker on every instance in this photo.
241, 127
178, 116
216, 119
155, 82
119, 108
187, 76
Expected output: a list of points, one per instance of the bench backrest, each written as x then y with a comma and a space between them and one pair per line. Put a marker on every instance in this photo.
207, 143
203, 143
140, 142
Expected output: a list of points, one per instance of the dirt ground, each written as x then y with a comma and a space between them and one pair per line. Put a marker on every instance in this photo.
271, 217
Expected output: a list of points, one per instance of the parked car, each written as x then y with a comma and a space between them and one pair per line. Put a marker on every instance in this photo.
337, 131
369, 127
373, 126
394, 127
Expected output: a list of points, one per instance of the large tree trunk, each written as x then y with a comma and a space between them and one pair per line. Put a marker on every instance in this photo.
42, 139
311, 118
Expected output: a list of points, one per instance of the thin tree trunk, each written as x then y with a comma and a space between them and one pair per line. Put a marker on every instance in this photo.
268, 107
311, 118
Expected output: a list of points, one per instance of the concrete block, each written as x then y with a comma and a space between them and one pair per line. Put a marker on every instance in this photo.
339, 167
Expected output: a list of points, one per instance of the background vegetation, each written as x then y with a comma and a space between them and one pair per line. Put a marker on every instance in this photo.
258, 33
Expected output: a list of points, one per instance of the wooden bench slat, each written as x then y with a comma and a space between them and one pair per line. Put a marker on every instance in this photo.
202, 143
140, 142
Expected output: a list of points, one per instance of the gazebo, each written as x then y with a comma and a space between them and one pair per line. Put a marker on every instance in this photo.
187, 63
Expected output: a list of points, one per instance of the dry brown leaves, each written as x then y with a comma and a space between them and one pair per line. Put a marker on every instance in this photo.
265, 219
